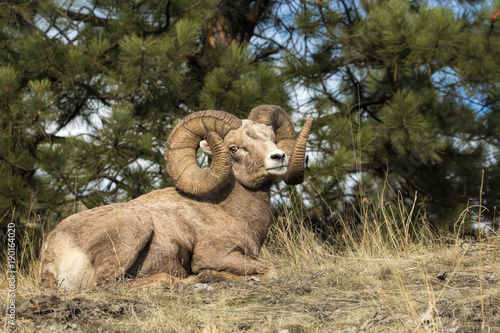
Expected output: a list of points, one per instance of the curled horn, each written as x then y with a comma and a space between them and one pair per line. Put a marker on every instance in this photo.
183, 142
287, 140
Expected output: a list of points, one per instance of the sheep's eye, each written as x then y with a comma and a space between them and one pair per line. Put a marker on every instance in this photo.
233, 149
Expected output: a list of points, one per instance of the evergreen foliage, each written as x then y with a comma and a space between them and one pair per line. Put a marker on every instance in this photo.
406, 95
89, 91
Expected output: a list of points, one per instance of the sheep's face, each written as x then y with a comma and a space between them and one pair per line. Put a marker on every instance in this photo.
256, 158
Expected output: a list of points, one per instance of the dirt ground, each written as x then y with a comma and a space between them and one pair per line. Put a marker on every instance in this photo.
440, 288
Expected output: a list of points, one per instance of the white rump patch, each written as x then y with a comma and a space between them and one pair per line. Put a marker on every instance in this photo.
71, 266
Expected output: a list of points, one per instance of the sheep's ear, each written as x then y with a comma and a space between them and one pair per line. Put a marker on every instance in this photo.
205, 147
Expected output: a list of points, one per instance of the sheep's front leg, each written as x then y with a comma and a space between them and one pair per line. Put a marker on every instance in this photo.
234, 262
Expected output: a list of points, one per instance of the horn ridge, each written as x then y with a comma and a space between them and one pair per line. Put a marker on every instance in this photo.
183, 142
296, 168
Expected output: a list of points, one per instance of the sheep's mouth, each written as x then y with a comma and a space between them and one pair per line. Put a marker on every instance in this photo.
278, 170
276, 163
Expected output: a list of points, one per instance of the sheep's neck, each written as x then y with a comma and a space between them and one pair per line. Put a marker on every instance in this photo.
250, 206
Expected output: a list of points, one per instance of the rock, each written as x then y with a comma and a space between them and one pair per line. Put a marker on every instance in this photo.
203, 287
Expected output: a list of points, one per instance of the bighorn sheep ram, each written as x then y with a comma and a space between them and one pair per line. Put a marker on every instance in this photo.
213, 219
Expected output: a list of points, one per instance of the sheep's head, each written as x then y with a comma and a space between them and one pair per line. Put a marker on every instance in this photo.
255, 156
255, 150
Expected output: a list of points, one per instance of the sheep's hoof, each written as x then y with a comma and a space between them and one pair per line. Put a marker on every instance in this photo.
271, 273
159, 280
211, 275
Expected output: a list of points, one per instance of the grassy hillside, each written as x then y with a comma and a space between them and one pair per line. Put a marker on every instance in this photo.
385, 275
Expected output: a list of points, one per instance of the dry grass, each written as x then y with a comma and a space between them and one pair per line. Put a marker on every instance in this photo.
385, 275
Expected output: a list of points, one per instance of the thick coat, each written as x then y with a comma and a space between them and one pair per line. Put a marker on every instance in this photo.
213, 219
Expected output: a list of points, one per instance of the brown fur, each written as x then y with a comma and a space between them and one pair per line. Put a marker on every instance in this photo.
167, 234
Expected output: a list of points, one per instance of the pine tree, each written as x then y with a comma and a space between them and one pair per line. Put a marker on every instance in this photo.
406, 96
90, 90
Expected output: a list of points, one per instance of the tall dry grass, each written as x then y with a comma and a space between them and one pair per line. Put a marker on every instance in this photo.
388, 272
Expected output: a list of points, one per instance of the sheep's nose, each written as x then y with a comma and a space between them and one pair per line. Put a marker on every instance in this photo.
279, 157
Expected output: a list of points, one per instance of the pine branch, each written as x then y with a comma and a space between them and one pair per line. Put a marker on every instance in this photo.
104, 98
30, 24
17, 166
267, 52
376, 99
96, 21
167, 23
77, 109
323, 20
107, 176
366, 168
